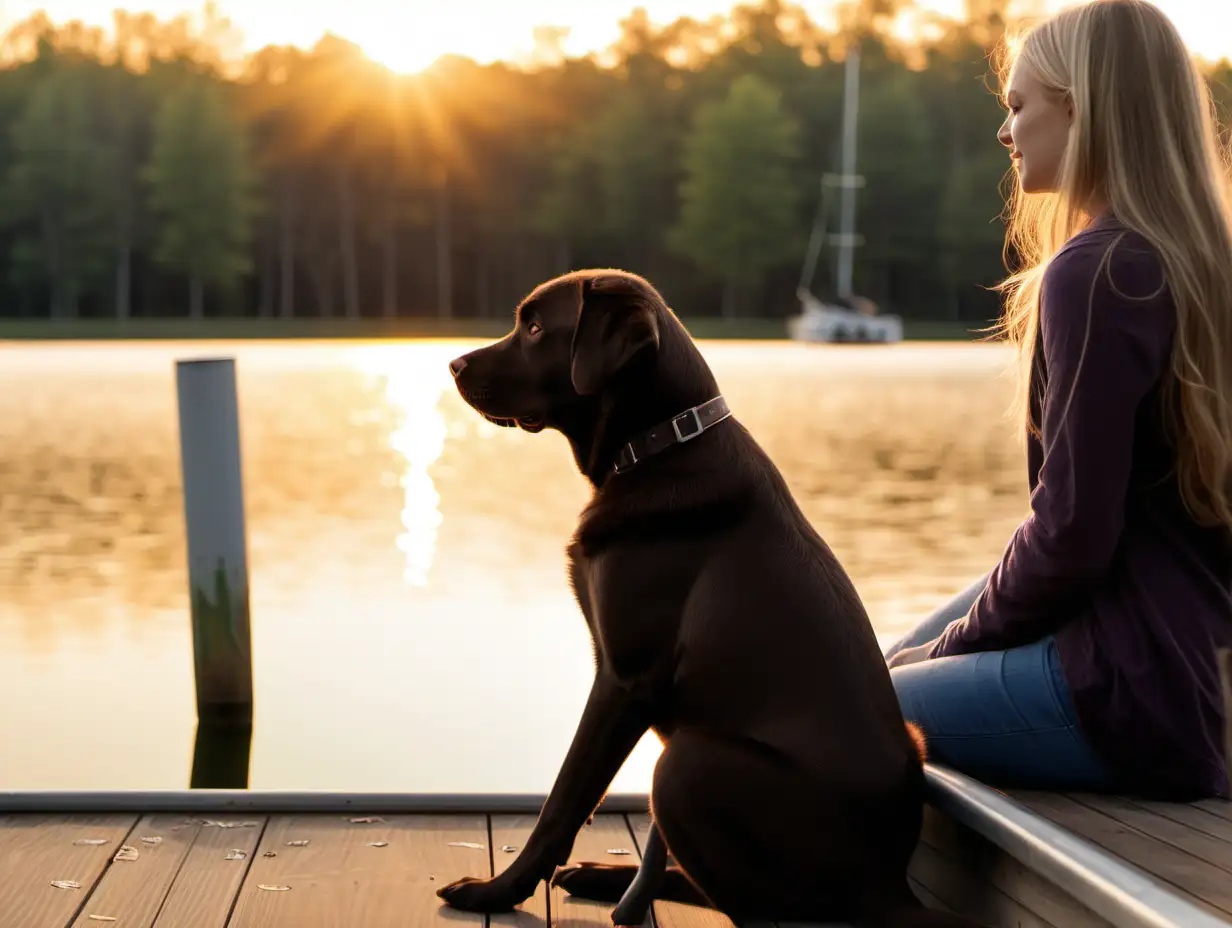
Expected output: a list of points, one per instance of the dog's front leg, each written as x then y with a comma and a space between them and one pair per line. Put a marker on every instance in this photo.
612, 723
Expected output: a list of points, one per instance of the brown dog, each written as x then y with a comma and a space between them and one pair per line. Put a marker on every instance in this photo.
789, 787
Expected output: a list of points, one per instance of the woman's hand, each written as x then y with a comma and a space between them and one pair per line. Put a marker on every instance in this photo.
910, 655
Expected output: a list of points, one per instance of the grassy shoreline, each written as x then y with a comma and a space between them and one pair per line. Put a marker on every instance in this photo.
251, 328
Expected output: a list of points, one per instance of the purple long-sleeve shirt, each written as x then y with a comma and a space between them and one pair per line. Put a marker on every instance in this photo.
1138, 595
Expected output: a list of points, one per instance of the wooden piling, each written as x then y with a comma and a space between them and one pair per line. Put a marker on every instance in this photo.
217, 546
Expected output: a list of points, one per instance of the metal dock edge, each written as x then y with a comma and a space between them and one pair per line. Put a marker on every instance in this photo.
1110, 887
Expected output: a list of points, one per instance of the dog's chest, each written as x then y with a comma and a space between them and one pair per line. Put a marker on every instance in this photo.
632, 605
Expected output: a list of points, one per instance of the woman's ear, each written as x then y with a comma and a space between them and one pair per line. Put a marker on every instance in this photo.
617, 320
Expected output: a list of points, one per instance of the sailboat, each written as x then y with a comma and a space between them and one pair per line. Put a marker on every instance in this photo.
851, 318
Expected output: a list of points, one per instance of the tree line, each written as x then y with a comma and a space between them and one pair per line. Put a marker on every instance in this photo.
145, 170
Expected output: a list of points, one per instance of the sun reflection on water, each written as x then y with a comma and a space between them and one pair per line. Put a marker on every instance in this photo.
414, 379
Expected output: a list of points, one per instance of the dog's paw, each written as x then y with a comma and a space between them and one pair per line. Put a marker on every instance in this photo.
596, 882
471, 894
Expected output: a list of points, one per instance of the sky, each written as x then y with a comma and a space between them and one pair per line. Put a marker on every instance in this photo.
408, 35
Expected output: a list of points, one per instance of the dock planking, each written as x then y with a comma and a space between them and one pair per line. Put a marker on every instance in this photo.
1186, 847
193, 872
38, 850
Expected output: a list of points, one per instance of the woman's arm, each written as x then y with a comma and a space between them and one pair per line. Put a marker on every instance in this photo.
1105, 347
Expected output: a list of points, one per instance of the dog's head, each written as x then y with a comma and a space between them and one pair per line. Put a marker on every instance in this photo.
573, 338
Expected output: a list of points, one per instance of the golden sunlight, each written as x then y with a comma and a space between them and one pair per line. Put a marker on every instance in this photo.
415, 378
403, 51
411, 35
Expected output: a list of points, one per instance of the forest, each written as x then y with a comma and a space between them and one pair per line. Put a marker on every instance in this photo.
148, 169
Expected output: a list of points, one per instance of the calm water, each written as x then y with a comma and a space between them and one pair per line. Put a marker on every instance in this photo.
413, 628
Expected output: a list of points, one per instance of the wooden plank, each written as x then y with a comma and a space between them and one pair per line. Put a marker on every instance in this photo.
339, 878
986, 862
37, 849
925, 895
964, 892
607, 832
132, 891
1207, 885
207, 885
676, 914
1202, 845
512, 831
1190, 815
1220, 807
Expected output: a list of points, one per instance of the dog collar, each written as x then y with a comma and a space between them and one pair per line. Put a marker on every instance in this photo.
676, 430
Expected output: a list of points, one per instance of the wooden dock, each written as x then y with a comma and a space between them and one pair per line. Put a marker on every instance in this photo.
342, 870
1187, 849
297, 871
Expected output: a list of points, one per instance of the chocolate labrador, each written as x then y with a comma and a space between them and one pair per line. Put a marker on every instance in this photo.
789, 786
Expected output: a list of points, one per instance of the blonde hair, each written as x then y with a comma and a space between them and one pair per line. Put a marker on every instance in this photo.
1144, 143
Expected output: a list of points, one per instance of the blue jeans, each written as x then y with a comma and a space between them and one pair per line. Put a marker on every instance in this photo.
1003, 717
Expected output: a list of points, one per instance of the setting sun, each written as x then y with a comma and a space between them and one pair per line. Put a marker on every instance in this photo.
405, 51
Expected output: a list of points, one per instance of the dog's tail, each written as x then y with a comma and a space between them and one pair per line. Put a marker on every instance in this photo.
918, 739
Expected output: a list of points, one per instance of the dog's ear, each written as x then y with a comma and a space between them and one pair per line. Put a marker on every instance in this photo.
617, 319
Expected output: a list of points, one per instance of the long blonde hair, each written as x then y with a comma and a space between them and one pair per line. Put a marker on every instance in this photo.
1144, 142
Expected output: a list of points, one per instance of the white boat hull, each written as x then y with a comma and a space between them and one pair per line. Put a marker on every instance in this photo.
831, 324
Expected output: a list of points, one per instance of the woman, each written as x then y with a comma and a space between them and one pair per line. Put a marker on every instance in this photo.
1087, 659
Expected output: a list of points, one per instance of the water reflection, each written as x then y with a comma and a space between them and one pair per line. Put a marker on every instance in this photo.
220, 757
364, 473
413, 383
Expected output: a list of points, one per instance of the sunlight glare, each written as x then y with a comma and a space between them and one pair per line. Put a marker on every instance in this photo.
403, 51
414, 378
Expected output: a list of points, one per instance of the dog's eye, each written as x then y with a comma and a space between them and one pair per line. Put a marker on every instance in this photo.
534, 329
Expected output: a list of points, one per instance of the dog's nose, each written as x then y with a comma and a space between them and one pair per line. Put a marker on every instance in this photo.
456, 365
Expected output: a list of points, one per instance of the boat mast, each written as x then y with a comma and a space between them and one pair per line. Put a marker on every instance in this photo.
848, 180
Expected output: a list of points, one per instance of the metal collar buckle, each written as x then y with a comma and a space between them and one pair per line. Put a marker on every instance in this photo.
632, 458
697, 421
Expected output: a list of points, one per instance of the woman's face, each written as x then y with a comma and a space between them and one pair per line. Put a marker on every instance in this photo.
1036, 130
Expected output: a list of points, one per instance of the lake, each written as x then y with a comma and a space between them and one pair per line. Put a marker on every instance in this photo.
413, 627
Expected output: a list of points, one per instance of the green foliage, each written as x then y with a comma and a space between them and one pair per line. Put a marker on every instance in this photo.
131, 168
739, 214
202, 188
57, 195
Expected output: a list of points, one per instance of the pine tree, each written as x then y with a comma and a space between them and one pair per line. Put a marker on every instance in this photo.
740, 202
202, 189
58, 195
